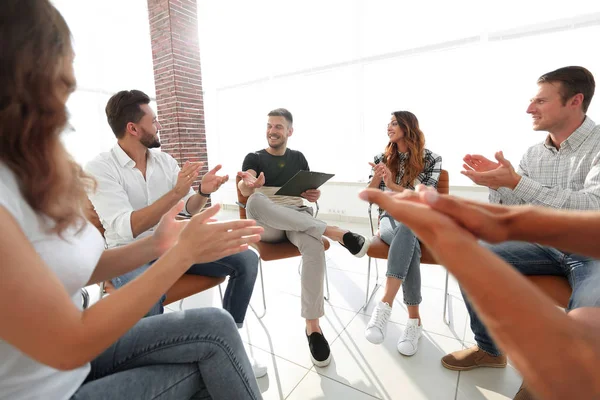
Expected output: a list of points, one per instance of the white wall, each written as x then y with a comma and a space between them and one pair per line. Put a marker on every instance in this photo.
466, 68
112, 52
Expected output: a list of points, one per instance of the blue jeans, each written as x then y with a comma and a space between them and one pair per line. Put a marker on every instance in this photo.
534, 259
241, 269
195, 354
404, 257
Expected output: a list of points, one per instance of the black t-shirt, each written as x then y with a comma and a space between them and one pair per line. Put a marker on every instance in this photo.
277, 169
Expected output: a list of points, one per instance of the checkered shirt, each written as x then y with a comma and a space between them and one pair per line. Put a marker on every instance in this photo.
568, 178
429, 176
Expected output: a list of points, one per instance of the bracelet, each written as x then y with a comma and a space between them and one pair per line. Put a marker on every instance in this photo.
202, 194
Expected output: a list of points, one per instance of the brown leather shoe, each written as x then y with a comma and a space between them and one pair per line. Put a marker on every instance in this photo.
523, 394
472, 358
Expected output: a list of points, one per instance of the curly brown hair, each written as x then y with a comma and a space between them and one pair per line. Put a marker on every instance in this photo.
34, 85
415, 143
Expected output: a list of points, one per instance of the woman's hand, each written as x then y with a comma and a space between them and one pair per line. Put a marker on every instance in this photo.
377, 171
390, 179
205, 240
381, 171
168, 229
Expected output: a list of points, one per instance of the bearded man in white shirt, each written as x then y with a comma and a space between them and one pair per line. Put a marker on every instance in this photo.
137, 184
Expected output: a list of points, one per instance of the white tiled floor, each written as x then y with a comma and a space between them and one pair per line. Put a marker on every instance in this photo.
359, 370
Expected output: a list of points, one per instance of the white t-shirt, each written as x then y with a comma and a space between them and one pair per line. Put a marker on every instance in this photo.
72, 259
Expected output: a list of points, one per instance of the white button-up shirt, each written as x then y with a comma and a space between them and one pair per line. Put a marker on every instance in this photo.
565, 178
122, 189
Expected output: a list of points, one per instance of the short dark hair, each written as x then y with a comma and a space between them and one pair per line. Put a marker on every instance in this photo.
123, 108
573, 80
282, 112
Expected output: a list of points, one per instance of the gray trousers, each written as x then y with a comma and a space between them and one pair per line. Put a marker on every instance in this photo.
303, 230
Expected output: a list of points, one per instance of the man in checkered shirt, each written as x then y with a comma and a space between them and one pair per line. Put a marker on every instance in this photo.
562, 172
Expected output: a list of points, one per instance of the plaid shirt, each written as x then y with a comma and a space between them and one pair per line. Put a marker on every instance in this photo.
429, 176
568, 178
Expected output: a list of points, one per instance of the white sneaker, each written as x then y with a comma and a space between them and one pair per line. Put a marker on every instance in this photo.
377, 327
409, 342
259, 369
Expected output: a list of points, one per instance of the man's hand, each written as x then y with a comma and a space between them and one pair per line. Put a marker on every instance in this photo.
186, 178
311, 195
479, 163
211, 182
251, 181
503, 175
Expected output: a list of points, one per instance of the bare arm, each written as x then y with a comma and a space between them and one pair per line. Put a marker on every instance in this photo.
54, 332
522, 319
120, 260
569, 230
196, 203
145, 218
573, 231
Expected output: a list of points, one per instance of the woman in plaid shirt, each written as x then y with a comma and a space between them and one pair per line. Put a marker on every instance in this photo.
405, 163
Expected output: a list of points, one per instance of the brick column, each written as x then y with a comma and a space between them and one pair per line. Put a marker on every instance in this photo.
178, 80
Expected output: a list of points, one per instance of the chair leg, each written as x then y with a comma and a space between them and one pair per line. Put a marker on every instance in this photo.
102, 290
326, 283
368, 282
446, 305
86, 298
262, 286
220, 293
375, 288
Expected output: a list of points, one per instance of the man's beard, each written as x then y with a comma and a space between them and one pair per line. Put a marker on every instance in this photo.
277, 145
150, 141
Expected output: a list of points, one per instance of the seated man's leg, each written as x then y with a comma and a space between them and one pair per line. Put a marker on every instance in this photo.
122, 280
242, 269
313, 274
260, 208
527, 258
286, 218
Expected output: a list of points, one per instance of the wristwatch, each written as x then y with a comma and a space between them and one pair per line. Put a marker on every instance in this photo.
202, 194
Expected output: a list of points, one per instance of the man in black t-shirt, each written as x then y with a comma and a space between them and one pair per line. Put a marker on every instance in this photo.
263, 173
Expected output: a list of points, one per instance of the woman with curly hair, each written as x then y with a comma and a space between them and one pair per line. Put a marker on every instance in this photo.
404, 164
